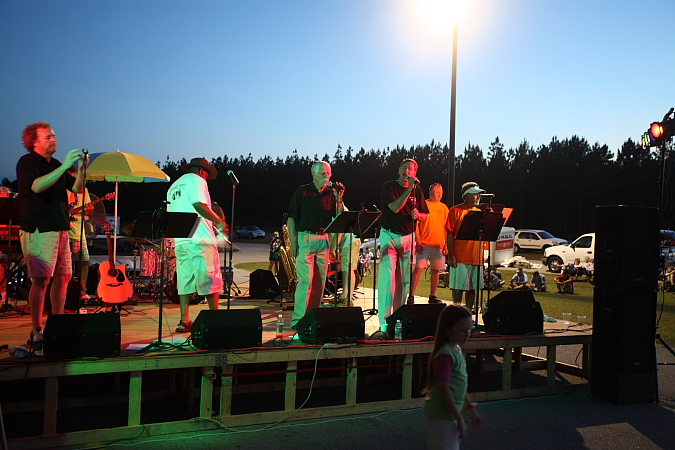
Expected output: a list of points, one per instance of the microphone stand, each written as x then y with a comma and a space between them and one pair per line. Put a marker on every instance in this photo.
411, 297
228, 267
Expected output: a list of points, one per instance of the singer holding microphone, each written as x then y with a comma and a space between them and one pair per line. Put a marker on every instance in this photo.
42, 183
402, 203
312, 209
197, 259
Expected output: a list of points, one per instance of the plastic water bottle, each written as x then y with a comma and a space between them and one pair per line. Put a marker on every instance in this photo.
280, 326
398, 331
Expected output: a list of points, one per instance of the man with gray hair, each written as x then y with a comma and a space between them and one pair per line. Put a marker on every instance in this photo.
312, 209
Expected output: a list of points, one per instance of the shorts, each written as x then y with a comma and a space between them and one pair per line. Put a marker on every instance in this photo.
433, 254
441, 434
198, 269
75, 249
463, 277
46, 254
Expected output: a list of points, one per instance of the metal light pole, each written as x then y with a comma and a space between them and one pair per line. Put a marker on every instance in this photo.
453, 108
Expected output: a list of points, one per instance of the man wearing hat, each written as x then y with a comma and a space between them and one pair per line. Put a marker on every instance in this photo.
466, 262
197, 261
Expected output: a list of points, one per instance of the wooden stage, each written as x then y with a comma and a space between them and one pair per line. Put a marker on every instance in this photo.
50, 403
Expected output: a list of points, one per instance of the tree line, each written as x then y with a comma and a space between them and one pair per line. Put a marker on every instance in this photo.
555, 187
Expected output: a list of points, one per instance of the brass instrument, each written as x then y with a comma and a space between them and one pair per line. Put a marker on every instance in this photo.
288, 260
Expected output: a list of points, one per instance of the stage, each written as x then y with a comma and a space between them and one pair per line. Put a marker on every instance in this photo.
49, 403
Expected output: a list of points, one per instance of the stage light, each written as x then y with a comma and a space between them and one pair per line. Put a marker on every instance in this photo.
658, 132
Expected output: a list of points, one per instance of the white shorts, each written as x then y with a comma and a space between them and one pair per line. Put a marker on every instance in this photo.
46, 254
198, 269
433, 254
441, 434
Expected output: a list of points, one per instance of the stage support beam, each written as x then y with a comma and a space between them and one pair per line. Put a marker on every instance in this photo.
135, 392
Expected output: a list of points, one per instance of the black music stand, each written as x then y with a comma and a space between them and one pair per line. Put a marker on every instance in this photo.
9, 209
481, 226
357, 223
161, 225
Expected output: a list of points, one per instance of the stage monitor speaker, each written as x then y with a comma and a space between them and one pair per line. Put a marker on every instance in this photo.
626, 247
262, 284
624, 389
82, 335
332, 325
624, 331
227, 329
419, 321
514, 312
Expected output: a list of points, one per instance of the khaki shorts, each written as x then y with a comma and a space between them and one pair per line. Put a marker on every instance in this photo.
198, 269
433, 254
46, 254
75, 249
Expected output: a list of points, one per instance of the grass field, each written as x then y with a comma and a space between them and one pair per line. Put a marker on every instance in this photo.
578, 304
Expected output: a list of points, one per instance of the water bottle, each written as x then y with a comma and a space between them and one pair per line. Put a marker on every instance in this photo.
398, 331
280, 326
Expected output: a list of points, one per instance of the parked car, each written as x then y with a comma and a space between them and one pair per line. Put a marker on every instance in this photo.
250, 231
535, 240
560, 255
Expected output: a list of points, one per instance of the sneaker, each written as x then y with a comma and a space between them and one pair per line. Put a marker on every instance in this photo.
184, 327
37, 343
410, 301
434, 299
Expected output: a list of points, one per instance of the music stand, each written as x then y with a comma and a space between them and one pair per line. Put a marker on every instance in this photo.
481, 226
161, 225
355, 223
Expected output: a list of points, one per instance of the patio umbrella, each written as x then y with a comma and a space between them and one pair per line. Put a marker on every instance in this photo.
127, 167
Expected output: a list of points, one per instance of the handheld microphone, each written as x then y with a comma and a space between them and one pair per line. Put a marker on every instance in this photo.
233, 178
335, 186
487, 195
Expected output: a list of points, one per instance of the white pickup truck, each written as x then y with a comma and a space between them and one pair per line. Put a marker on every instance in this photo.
557, 256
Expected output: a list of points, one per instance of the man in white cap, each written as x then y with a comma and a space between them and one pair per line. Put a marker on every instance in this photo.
197, 260
466, 260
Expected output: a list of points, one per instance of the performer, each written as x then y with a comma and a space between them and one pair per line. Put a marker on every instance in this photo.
312, 208
349, 280
42, 182
431, 245
466, 262
402, 202
197, 259
75, 201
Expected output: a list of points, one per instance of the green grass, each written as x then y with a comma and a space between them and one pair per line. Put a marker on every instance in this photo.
578, 304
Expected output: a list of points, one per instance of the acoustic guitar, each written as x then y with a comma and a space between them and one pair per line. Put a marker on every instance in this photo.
74, 209
113, 286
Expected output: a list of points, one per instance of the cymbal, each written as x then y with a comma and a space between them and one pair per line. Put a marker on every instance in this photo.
128, 228
136, 240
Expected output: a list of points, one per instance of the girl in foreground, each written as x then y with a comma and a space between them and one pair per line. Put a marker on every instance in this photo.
447, 382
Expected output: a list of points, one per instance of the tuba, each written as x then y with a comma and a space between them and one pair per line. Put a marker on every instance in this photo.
288, 260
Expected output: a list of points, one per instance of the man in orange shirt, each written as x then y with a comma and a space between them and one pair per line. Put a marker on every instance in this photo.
430, 242
466, 261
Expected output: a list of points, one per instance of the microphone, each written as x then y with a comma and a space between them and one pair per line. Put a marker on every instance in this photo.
233, 177
335, 186
376, 208
487, 195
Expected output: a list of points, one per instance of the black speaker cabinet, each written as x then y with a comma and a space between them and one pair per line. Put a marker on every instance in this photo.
514, 312
626, 247
262, 284
334, 325
419, 321
82, 335
624, 330
227, 329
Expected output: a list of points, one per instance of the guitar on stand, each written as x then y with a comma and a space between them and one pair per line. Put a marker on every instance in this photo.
113, 286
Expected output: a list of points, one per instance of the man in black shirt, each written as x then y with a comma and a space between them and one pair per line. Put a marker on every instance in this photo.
402, 202
42, 182
313, 207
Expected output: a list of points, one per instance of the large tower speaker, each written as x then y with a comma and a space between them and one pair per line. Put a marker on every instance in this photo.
82, 335
334, 325
514, 312
227, 329
626, 247
262, 284
623, 361
418, 321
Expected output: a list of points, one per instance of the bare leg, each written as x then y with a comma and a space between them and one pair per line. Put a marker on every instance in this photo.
435, 275
184, 308
58, 292
213, 300
457, 296
417, 274
36, 300
470, 297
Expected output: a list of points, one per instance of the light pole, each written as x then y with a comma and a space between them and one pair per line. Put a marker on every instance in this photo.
453, 111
